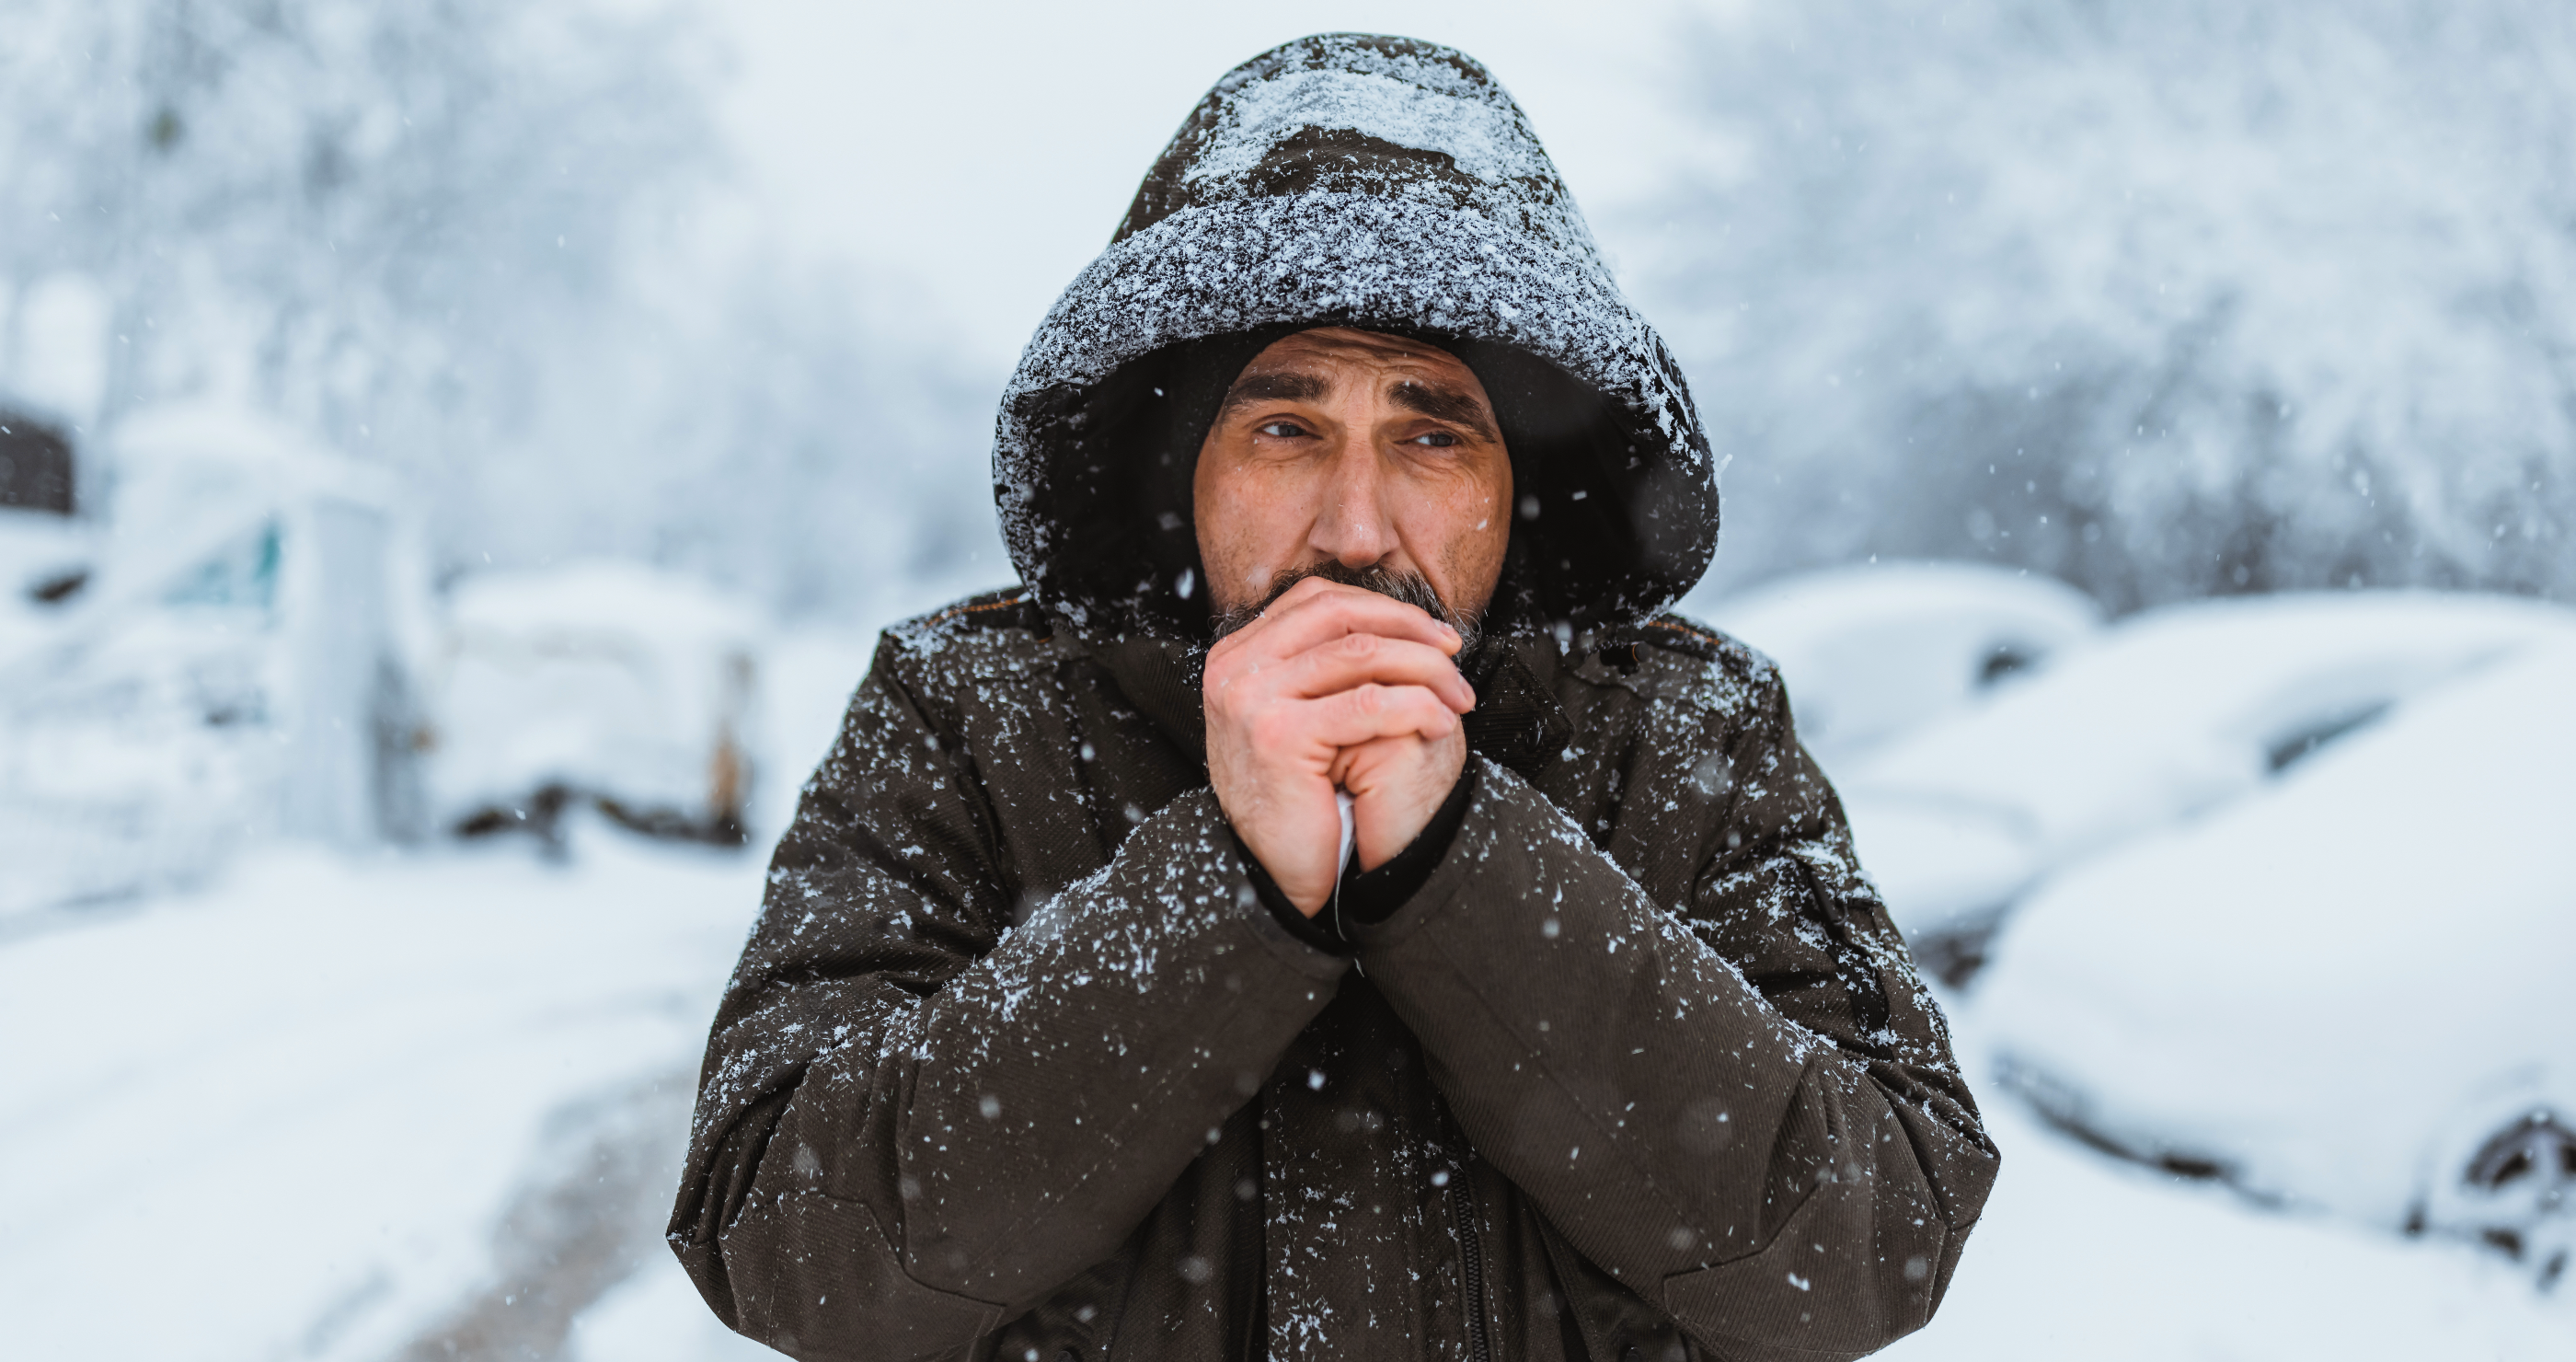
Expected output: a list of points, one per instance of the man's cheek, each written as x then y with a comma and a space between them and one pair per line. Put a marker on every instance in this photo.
1235, 579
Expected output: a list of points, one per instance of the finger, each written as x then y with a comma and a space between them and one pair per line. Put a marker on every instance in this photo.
1354, 716
1318, 602
1354, 763
1357, 659
1363, 766
1316, 610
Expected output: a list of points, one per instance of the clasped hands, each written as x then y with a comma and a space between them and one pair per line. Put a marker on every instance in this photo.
1333, 688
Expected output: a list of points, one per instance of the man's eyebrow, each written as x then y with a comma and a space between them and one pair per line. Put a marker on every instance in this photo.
1276, 386
1445, 404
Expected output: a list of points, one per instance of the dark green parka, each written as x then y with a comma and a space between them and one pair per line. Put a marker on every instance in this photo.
1018, 1065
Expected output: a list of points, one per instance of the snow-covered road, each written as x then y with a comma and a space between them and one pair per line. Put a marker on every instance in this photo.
322, 1108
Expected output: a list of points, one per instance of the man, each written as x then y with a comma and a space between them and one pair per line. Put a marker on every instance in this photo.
1327, 912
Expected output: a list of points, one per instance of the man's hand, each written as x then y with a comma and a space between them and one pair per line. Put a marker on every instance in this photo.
1333, 686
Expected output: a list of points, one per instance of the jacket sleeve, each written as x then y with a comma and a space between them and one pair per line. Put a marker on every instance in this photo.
915, 1121
1743, 1107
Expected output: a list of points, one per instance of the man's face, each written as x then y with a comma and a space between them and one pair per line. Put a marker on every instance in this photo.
1357, 449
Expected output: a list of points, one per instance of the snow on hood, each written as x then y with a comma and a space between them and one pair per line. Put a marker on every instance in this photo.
1380, 183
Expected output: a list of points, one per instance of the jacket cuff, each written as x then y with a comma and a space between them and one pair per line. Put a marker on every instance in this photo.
1371, 896
1314, 931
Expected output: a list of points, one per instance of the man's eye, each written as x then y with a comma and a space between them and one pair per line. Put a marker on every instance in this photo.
1280, 430
1436, 439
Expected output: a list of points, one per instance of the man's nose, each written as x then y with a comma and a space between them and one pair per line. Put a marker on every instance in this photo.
1352, 525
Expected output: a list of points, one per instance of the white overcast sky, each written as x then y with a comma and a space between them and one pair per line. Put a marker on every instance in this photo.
976, 156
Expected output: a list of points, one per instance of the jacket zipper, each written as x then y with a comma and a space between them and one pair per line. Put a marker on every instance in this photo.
1251, 1245
1462, 1208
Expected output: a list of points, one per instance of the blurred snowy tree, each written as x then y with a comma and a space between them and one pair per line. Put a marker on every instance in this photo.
370, 217
454, 236
2168, 300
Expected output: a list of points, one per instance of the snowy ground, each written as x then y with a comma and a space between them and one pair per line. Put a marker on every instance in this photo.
362, 1108
330, 1107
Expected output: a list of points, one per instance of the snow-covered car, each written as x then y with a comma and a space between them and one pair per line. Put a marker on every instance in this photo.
613, 684
2168, 716
2275, 888
1873, 651
2337, 991
224, 652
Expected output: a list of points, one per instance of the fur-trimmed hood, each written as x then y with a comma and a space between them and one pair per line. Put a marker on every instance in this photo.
1372, 182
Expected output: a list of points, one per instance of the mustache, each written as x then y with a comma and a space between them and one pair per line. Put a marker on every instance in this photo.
1412, 588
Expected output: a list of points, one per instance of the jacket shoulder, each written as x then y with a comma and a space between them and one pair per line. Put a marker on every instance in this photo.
1673, 657
1005, 620
970, 644
1677, 644
1010, 608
